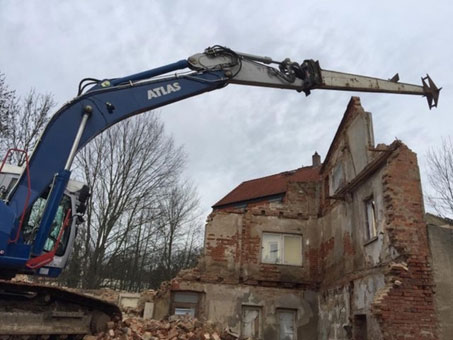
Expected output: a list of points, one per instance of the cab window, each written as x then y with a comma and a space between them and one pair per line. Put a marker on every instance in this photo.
31, 224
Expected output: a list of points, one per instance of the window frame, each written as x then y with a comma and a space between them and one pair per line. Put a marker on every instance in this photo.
185, 305
281, 249
370, 230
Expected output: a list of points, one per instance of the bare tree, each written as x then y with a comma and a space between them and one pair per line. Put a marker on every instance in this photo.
8, 106
130, 169
440, 162
22, 120
177, 218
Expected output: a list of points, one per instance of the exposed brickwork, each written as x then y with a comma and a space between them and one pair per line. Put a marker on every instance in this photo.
405, 307
251, 245
218, 251
312, 253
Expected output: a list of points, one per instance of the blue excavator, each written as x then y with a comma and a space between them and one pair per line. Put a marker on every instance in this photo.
41, 207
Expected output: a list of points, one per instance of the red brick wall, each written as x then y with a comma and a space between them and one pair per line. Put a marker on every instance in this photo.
405, 308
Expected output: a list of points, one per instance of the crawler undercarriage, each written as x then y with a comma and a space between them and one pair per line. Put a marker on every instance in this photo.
29, 311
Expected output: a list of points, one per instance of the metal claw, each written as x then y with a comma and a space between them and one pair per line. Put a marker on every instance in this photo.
431, 91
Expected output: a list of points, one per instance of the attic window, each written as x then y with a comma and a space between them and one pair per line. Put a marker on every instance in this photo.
337, 178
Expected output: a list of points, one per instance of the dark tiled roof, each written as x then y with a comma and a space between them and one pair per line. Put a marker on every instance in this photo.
268, 186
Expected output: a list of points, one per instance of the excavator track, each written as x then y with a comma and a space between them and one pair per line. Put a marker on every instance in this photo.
35, 311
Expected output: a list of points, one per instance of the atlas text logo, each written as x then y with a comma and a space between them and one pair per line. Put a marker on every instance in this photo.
163, 90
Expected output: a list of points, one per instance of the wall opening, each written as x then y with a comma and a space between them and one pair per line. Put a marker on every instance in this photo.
251, 322
185, 303
370, 218
286, 324
360, 327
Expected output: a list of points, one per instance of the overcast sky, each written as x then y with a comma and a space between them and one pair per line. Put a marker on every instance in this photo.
240, 133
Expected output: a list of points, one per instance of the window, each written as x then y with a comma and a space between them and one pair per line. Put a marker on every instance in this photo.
370, 218
251, 322
185, 303
282, 249
33, 220
56, 226
286, 324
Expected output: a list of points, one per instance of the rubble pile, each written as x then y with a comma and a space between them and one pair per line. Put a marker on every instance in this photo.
175, 328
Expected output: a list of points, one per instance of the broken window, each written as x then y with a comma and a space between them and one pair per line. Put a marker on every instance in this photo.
370, 215
251, 322
286, 324
185, 303
282, 249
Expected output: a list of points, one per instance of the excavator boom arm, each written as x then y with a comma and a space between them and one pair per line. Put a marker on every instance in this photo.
247, 69
109, 101
331, 80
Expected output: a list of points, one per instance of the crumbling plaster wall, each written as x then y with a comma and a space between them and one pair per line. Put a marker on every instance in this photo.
225, 302
345, 250
338, 306
351, 264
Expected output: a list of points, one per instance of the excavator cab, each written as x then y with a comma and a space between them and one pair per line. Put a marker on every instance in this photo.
61, 237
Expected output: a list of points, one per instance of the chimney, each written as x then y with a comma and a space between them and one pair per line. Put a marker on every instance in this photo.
316, 158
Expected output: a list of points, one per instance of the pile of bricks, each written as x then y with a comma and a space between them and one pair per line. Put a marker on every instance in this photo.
176, 328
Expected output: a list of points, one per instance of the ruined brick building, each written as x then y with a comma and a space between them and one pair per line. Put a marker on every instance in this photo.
336, 250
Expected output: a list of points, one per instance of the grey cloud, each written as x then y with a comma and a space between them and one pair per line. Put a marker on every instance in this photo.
239, 133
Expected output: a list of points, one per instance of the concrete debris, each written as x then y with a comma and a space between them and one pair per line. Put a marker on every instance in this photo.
175, 328
145, 296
